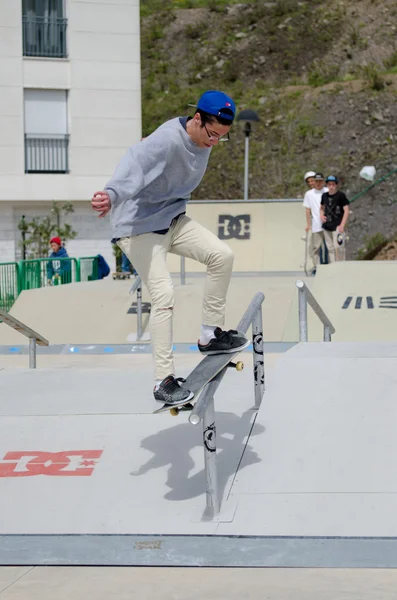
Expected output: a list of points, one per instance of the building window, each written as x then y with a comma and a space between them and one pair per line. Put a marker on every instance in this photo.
46, 131
44, 28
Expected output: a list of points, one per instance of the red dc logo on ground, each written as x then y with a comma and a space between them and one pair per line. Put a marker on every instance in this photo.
69, 463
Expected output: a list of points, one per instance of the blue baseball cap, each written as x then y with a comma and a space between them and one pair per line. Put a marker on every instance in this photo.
332, 178
218, 104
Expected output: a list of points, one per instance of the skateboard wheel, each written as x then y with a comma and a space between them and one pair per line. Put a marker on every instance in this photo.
239, 366
174, 411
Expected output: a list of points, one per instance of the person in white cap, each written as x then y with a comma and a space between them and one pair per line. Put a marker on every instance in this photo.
309, 179
147, 197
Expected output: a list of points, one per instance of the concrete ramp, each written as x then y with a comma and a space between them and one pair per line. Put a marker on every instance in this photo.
82, 453
328, 454
89, 476
360, 299
93, 312
98, 312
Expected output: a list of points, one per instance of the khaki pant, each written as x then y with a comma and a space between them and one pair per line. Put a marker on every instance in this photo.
317, 242
330, 239
148, 253
332, 245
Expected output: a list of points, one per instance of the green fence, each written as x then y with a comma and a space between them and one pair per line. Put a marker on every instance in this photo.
43, 272
9, 284
89, 268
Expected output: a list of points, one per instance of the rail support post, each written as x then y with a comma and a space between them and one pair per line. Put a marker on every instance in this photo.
32, 353
139, 312
257, 348
302, 293
211, 476
183, 270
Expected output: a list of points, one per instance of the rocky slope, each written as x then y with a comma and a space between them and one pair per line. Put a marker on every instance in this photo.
322, 76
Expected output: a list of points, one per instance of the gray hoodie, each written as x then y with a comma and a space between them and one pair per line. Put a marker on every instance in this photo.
154, 180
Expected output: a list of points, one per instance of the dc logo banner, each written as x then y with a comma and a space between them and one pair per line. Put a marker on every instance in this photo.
70, 463
234, 227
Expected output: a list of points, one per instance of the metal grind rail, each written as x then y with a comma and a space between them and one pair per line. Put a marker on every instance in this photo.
33, 336
204, 409
305, 298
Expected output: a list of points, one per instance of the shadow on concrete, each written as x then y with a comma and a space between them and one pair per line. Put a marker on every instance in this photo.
173, 447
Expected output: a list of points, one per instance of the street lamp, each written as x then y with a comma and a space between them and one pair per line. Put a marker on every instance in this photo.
248, 116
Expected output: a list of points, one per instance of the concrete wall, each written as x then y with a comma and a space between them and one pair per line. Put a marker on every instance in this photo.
270, 240
266, 237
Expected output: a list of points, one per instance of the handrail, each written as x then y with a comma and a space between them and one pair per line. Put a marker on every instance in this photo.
305, 298
33, 336
204, 409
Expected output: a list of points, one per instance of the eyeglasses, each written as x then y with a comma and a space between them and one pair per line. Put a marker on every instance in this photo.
218, 138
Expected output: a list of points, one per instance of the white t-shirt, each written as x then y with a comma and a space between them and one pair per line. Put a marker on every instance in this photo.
312, 200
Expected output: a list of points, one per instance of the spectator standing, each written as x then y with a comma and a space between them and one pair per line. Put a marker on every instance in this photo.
309, 180
334, 213
312, 203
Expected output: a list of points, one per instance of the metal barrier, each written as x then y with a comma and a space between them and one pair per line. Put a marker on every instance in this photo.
88, 268
204, 409
305, 298
44, 36
41, 272
9, 284
33, 336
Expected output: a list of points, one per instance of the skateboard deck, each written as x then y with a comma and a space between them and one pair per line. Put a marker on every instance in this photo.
340, 247
203, 373
306, 239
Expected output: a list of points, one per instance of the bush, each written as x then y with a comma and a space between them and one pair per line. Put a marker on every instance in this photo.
285, 7
193, 31
374, 78
391, 62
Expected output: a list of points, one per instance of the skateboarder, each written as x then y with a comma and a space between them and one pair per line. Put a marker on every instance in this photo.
334, 212
147, 197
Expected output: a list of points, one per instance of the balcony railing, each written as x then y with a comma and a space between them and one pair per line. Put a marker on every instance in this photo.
44, 36
46, 153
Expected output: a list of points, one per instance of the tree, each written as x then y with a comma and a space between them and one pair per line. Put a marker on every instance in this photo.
37, 233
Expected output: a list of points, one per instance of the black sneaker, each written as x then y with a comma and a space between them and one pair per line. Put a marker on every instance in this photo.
224, 342
170, 392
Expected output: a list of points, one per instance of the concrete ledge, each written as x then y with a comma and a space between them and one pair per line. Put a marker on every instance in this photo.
198, 551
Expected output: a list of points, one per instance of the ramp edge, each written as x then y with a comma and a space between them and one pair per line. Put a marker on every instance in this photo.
198, 551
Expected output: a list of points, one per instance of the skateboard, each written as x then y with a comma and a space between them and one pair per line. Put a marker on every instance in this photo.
121, 275
340, 247
206, 370
305, 265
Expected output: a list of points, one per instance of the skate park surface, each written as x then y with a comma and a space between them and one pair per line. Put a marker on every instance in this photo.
306, 482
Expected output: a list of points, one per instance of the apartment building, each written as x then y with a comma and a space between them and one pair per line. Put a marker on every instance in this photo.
70, 106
